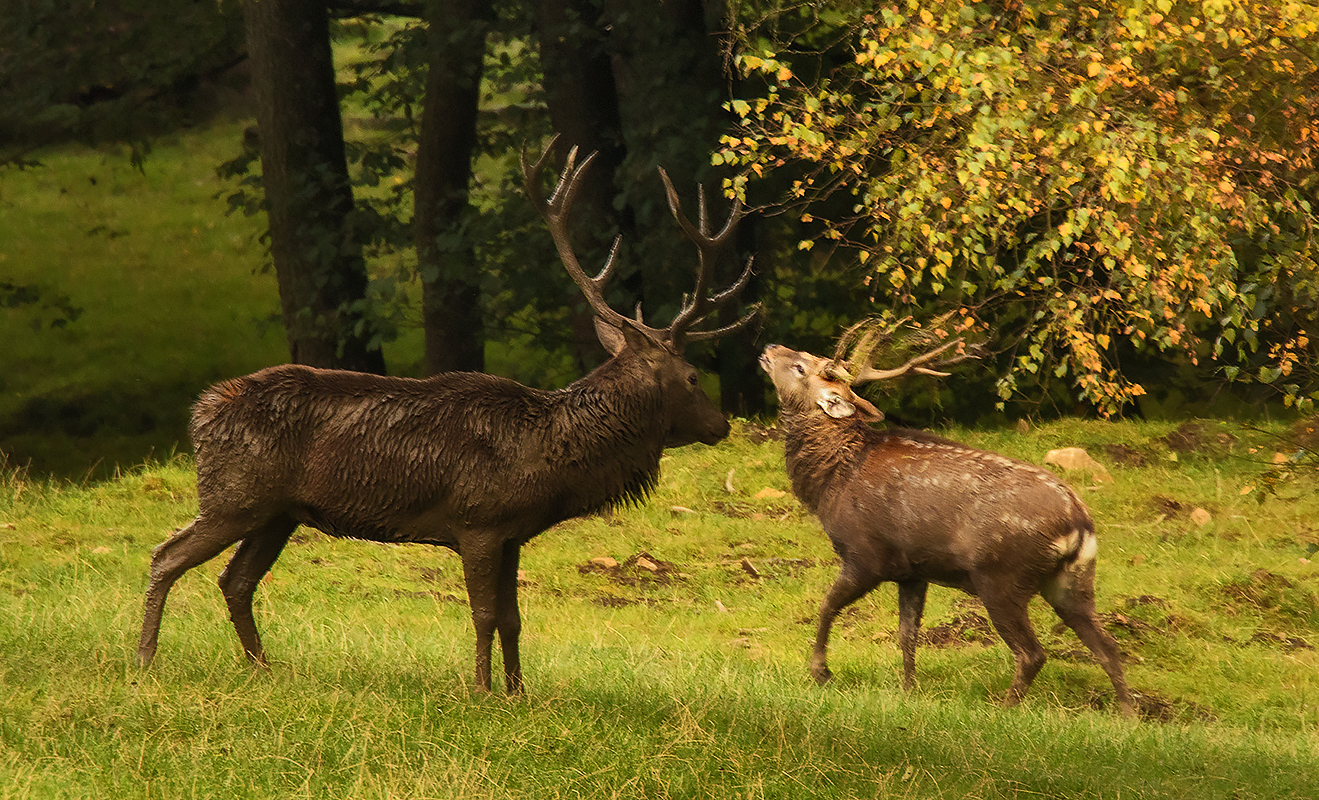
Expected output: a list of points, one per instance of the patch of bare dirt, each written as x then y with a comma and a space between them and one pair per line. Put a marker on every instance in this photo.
1138, 628
1145, 600
759, 434
1288, 643
1261, 590
1168, 507
1154, 708
1195, 437
1306, 432
613, 601
1125, 455
443, 597
968, 627
640, 569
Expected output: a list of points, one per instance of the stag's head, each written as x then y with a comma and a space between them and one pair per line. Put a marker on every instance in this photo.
692, 417
809, 384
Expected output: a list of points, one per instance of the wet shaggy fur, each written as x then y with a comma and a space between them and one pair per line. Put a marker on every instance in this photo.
916, 509
473, 462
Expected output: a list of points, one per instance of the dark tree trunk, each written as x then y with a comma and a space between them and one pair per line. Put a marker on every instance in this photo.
446, 257
742, 385
318, 257
583, 103
671, 86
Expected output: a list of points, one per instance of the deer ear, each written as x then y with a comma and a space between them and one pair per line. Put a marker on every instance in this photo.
609, 336
839, 407
631, 336
866, 411
834, 404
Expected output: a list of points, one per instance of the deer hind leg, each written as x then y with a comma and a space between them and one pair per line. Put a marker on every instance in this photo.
205, 538
482, 557
911, 606
1071, 594
508, 620
851, 585
239, 581
1012, 621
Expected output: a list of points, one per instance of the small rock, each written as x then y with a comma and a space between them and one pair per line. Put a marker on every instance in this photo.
647, 564
749, 568
1023, 427
768, 493
605, 562
1201, 517
679, 510
1077, 459
720, 607
100, 551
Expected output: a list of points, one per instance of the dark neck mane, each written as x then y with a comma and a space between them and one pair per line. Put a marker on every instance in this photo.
606, 433
821, 450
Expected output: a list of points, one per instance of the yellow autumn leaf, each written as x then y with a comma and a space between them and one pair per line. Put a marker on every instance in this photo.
1095, 68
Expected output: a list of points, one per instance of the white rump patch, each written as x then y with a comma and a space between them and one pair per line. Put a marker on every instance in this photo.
1083, 543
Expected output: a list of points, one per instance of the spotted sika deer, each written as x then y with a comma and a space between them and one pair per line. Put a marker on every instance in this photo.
473, 462
912, 508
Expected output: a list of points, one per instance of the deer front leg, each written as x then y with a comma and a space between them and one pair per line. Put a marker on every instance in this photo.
481, 570
508, 620
911, 606
850, 585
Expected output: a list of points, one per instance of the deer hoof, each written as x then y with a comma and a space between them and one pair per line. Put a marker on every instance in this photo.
821, 674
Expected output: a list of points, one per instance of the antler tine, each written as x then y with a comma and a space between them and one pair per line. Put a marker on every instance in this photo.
722, 297
917, 364
701, 336
555, 212
709, 247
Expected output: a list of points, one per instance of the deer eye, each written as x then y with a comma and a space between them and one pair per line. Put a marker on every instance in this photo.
799, 369
692, 380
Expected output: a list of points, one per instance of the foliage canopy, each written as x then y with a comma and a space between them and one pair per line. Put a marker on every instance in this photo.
1089, 182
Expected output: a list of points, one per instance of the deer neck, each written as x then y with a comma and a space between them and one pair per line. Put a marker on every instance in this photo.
607, 435
820, 452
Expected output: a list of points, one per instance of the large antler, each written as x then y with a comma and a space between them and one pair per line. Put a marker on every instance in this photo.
857, 369
699, 305
555, 212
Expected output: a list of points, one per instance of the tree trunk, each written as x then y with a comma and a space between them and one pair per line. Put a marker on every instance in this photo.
446, 257
318, 257
583, 103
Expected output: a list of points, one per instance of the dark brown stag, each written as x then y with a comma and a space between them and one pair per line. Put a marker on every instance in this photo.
474, 462
912, 508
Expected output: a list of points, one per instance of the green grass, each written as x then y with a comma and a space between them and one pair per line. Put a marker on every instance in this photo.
171, 291
686, 682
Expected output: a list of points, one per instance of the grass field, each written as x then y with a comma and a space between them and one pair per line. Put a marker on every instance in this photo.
685, 680
679, 671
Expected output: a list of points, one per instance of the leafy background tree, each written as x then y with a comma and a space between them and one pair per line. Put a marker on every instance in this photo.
1117, 196
1104, 189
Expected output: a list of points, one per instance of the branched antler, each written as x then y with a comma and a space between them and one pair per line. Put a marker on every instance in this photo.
709, 247
695, 308
863, 340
